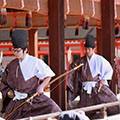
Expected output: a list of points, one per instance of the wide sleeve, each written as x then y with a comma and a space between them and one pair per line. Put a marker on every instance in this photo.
73, 82
106, 70
3, 84
43, 70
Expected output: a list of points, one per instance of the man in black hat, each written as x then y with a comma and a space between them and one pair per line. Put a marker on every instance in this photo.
92, 79
26, 75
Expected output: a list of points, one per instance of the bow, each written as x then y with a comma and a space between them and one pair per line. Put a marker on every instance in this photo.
36, 94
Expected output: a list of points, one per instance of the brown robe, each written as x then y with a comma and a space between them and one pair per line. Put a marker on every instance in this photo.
83, 74
13, 79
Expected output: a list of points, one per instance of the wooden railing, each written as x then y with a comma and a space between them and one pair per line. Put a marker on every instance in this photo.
102, 107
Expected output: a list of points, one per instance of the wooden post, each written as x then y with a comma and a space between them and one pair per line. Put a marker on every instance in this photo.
56, 48
104, 112
33, 42
108, 33
99, 40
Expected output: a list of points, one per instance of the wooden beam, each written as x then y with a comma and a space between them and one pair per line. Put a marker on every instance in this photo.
56, 43
15, 20
18, 20
38, 20
76, 20
108, 32
33, 42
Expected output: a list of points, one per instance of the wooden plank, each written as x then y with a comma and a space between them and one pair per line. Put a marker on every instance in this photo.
43, 7
14, 4
93, 22
73, 20
15, 20
38, 20
76, 20
97, 10
18, 20
30, 5
87, 7
73, 7
40, 6
118, 11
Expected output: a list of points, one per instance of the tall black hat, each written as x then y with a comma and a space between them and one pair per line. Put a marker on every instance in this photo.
19, 38
90, 42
